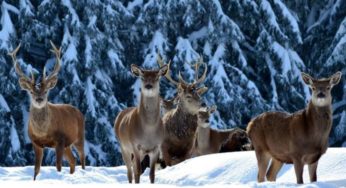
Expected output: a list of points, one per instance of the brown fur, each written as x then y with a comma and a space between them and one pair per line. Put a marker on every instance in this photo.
57, 126
180, 125
215, 141
139, 129
299, 138
51, 125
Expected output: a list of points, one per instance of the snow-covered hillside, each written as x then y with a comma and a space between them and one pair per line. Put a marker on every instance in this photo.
236, 169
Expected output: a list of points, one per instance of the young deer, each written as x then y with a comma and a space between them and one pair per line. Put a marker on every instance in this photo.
214, 141
139, 129
299, 138
51, 125
181, 123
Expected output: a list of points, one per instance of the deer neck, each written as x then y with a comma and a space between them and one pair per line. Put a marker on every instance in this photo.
185, 123
39, 119
320, 117
203, 137
149, 109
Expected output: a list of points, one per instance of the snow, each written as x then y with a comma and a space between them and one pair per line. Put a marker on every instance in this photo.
71, 52
89, 94
14, 139
268, 10
3, 104
7, 28
187, 55
75, 18
283, 55
292, 21
133, 4
158, 44
236, 169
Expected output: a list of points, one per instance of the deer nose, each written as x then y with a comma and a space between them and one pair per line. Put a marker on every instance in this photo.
203, 104
321, 95
148, 86
207, 121
39, 100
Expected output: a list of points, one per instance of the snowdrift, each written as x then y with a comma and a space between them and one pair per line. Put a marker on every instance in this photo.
236, 169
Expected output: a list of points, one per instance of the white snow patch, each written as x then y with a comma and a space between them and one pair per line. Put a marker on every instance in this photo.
291, 19
14, 138
235, 169
134, 4
75, 18
4, 104
158, 44
7, 27
89, 94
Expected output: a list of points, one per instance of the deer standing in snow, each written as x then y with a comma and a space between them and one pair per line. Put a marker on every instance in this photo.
215, 141
139, 129
299, 138
181, 123
51, 125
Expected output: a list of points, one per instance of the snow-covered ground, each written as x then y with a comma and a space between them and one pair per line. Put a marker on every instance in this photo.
236, 169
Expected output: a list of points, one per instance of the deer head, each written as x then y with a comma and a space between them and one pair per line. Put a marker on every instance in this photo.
321, 88
38, 91
150, 79
189, 94
204, 115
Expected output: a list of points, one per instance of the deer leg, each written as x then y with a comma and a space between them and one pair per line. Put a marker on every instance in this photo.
71, 160
274, 168
38, 159
137, 166
128, 162
312, 171
299, 167
59, 150
262, 162
153, 159
165, 155
80, 149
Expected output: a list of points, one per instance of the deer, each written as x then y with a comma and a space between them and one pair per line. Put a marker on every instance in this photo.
300, 138
139, 129
168, 105
58, 126
181, 123
210, 141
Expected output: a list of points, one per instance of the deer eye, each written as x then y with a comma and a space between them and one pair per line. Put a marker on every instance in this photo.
328, 88
313, 88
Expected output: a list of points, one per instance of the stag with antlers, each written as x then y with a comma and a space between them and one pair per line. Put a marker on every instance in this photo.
58, 126
181, 123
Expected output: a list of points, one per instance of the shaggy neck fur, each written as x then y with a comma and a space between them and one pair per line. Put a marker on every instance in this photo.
185, 123
149, 108
39, 118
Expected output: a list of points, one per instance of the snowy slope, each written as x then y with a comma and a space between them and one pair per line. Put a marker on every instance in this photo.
236, 169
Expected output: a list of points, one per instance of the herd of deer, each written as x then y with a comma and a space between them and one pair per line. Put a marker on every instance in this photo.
175, 130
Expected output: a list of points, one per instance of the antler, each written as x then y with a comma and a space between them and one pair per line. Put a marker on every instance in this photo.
197, 65
56, 69
168, 74
17, 67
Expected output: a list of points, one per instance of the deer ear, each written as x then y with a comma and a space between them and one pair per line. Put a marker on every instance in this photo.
202, 90
307, 78
51, 83
163, 70
136, 71
335, 79
25, 84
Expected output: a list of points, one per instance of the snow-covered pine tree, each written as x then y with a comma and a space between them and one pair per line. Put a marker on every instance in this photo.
254, 50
